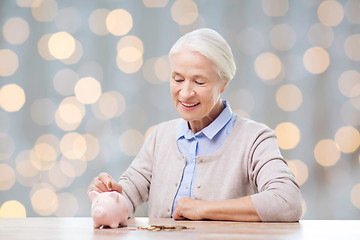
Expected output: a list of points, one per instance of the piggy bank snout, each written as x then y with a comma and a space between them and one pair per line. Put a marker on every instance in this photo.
98, 212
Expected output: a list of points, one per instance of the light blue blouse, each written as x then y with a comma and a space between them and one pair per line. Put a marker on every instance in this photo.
205, 142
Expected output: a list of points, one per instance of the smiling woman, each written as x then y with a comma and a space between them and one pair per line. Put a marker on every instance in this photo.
195, 89
210, 163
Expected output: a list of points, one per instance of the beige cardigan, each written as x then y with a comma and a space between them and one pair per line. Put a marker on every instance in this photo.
248, 163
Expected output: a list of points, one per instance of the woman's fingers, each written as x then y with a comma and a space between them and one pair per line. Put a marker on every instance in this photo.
104, 183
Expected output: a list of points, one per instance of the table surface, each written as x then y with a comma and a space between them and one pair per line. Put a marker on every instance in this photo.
82, 228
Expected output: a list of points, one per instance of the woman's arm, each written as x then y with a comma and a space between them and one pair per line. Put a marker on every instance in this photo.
278, 195
240, 209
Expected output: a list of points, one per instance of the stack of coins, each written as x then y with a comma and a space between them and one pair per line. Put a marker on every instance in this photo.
156, 228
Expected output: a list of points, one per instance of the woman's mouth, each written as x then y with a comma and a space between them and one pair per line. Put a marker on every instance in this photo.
189, 105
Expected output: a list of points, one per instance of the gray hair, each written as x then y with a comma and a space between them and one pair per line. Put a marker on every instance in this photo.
212, 45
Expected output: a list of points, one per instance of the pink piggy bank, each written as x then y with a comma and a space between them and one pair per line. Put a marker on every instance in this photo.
109, 209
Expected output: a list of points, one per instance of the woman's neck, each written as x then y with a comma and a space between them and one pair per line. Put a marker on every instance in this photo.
198, 125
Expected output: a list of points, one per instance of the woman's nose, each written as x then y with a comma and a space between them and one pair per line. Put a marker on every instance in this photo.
187, 91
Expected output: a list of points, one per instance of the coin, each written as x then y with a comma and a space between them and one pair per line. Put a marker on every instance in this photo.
109, 186
156, 228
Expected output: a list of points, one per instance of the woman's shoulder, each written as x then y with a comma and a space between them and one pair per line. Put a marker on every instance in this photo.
170, 124
166, 127
245, 125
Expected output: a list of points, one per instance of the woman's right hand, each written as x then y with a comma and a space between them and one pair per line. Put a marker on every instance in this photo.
104, 183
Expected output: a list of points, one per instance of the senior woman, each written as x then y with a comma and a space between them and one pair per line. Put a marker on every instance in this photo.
210, 163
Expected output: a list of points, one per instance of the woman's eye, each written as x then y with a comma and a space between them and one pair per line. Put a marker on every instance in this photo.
178, 80
199, 83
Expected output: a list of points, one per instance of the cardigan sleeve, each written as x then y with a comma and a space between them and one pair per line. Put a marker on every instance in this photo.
136, 180
278, 197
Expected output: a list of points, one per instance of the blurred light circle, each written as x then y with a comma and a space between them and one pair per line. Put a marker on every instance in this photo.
50, 139
355, 196
267, 66
7, 177
74, 167
97, 21
46, 11
348, 139
352, 47
289, 97
12, 209
12, 98
352, 11
130, 41
316, 60
76, 55
330, 13
348, 82
7, 146
155, 3
129, 58
73, 145
16, 30
129, 54
93, 147
29, 3
355, 101
43, 47
131, 142
119, 22
129, 67
42, 111
44, 201
250, 41
327, 152
300, 170
61, 45
24, 166
162, 68
320, 35
45, 156
58, 178
87, 90
111, 104
275, 8
67, 168
68, 20
67, 205
283, 37
288, 135
29, 181
69, 114
184, 12
65, 80
65, 125
148, 71
9, 62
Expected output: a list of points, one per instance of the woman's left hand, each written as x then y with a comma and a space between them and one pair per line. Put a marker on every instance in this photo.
188, 208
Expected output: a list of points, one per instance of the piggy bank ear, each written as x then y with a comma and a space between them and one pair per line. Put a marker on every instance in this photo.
115, 196
93, 195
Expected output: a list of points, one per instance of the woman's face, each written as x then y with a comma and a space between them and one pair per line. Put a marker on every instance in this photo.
195, 86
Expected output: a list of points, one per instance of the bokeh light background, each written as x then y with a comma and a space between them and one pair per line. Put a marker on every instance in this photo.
82, 83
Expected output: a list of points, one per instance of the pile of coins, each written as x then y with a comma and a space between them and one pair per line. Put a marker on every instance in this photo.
156, 228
